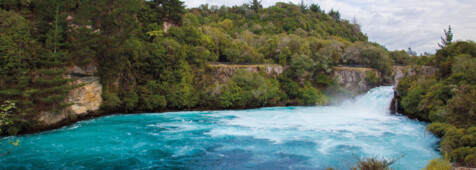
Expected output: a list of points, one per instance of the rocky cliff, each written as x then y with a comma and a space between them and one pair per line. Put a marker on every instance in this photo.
354, 80
399, 72
222, 72
86, 99
83, 100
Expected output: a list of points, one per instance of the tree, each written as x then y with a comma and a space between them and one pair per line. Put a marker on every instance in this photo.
255, 5
448, 39
303, 6
172, 10
334, 15
411, 52
315, 8
5, 114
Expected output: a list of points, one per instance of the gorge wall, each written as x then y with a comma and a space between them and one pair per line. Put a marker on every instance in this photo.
400, 72
354, 80
83, 100
86, 100
221, 72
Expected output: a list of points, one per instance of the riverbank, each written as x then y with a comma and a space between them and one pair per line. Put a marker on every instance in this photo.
86, 100
271, 138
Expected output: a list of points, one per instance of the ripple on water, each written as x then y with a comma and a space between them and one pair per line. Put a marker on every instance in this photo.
266, 138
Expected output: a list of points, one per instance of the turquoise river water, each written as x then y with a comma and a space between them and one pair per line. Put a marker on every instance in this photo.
267, 138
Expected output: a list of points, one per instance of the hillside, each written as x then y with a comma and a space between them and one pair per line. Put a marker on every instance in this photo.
150, 56
447, 99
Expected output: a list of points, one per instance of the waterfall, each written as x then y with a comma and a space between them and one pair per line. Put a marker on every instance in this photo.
315, 137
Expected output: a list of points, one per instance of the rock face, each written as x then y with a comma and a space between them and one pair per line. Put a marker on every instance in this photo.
167, 24
84, 99
399, 72
222, 72
353, 80
87, 99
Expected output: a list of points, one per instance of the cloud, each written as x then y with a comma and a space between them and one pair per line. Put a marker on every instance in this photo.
396, 24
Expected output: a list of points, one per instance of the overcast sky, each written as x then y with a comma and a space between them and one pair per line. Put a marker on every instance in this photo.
396, 24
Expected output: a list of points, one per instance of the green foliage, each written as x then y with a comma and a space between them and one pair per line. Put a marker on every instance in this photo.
372, 77
155, 102
322, 80
144, 67
374, 163
130, 101
377, 58
301, 64
111, 101
400, 57
438, 164
290, 87
464, 155
448, 100
448, 39
444, 57
315, 8
6, 114
310, 96
438, 128
249, 89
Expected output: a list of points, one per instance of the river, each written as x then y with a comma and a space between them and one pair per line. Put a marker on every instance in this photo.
266, 138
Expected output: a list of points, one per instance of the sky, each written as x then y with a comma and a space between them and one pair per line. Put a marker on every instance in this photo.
395, 24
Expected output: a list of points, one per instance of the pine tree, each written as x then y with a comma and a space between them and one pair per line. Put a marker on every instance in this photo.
315, 8
172, 10
49, 86
334, 15
303, 6
448, 39
255, 5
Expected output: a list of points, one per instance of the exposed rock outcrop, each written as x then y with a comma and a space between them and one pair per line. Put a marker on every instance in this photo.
353, 80
84, 99
87, 99
222, 72
400, 72
167, 24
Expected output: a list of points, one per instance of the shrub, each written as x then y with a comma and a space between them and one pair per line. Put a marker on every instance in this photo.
309, 95
130, 101
154, 102
464, 155
438, 164
438, 128
451, 139
372, 78
374, 163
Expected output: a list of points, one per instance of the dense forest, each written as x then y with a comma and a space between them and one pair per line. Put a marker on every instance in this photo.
154, 55
447, 99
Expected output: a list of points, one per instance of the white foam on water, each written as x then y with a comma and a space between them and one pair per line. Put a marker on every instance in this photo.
354, 121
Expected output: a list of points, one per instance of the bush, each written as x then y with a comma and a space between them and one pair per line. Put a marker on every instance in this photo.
130, 101
438, 164
309, 95
469, 138
438, 128
374, 163
372, 78
451, 139
155, 102
110, 101
464, 155
323, 80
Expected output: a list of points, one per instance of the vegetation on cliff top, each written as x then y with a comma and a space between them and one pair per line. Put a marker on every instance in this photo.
447, 99
146, 67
